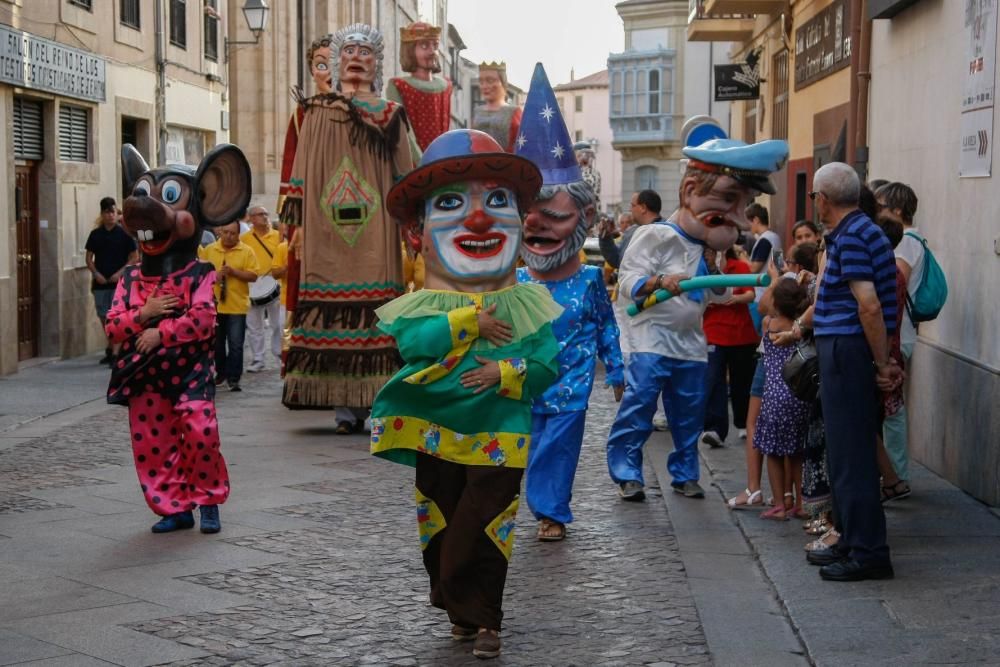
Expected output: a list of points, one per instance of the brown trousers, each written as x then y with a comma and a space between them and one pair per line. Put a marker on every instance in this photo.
467, 568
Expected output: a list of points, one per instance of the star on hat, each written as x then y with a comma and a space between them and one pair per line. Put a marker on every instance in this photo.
543, 137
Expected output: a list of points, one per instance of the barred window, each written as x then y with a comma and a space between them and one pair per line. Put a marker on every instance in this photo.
129, 13
29, 143
85, 4
779, 82
178, 23
74, 133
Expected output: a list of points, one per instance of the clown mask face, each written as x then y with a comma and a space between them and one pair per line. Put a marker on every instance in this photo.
425, 53
357, 67
320, 69
471, 235
553, 233
717, 216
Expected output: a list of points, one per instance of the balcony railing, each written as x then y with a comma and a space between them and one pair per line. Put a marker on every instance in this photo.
712, 26
744, 7
641, 100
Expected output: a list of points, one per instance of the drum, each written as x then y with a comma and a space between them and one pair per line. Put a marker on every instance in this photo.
264, 290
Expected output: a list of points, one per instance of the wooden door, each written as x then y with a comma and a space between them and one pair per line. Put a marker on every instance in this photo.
28, 306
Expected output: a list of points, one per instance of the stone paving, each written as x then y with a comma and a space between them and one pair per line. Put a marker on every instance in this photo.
339, 578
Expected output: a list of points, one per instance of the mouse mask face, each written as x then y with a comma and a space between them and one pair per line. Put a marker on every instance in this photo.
166, 208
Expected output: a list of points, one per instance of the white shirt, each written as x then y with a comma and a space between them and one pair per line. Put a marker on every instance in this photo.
911, 251
674, 328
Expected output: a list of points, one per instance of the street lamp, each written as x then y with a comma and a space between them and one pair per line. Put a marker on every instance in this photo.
255, 13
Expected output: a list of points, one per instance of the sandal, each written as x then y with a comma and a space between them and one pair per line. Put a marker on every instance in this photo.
819, 527
753, 499
776, 513
893, 492
829, 538
545, 527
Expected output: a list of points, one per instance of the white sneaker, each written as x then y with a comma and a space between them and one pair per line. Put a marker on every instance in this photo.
743, 434
712, 439
660, 424
255, 367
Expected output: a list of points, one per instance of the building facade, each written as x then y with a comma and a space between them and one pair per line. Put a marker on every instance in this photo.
922, 55
584, 104
659, 81
803, 51
78, 78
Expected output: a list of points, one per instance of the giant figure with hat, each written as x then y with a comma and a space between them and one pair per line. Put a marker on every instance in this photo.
585, 157
478, 349
425, 95
554, 231
494, 116
353, 145
669, 355
163, 315
318, 59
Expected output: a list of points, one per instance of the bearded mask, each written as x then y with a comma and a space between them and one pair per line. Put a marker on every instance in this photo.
556, 226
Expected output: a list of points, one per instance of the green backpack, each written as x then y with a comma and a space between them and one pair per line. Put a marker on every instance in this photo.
931, 294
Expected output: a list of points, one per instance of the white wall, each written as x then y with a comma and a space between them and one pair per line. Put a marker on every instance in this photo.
918, 60
699, 58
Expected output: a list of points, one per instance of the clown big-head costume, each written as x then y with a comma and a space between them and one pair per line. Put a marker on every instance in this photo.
478, 348
462, 209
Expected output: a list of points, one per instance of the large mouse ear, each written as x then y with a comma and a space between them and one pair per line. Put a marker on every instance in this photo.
133, 166
223, 185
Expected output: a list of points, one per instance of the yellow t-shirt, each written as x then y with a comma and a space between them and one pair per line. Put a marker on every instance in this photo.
271, 240
237, 296
280, 261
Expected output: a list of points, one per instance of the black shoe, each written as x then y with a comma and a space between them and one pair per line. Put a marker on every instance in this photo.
853, 570
234, 385
826, 556
219, 380
689, 489
631, 491
106, 359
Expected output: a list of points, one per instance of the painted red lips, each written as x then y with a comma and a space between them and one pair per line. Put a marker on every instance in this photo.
480, 246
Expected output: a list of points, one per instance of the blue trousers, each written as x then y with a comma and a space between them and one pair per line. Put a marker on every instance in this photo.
555, 450
850, 413
682, 385
230, 332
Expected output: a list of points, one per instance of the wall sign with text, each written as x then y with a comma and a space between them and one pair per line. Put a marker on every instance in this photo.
823, 44
34, 62
738, 81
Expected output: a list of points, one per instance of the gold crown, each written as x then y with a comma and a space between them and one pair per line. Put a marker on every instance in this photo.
418, 32
494, 66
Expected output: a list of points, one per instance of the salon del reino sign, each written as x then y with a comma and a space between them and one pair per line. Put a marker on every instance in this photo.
823, 44
41, 64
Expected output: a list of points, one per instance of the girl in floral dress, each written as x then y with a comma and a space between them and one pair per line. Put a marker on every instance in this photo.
783, 421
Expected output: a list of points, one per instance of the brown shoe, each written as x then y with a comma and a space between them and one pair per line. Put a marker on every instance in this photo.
487, 644
462, 634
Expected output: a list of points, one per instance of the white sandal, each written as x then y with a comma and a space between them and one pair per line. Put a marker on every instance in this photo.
753, 501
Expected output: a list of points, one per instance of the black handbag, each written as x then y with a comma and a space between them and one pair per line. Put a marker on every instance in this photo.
801, 371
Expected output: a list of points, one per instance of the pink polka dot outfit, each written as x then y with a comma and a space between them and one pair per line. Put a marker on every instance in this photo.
170, 390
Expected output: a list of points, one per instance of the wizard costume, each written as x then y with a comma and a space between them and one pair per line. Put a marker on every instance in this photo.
469, 449
586, 329
351, 150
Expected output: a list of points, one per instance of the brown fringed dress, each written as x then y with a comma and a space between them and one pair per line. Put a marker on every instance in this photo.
350, 151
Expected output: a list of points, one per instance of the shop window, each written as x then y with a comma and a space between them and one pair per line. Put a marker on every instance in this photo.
178, 23
74, 133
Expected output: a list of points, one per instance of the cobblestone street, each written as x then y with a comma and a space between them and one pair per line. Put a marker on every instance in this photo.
318, 561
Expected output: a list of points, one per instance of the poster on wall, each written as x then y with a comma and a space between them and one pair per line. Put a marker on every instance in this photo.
978, 89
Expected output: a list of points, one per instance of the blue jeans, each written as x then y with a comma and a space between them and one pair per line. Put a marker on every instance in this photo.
682, 384
894, 431
738, 360
230, 332
102, 302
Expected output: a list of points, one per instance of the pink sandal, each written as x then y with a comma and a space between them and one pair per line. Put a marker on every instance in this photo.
776, 513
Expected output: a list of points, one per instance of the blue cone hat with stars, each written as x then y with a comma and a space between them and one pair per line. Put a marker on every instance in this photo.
543, 137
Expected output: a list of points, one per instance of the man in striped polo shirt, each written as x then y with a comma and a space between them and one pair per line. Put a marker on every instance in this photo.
855, 312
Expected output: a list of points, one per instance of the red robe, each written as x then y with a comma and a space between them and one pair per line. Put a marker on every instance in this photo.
429, 113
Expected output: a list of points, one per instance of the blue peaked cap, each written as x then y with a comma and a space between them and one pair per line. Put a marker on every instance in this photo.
750, 164
543, 137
